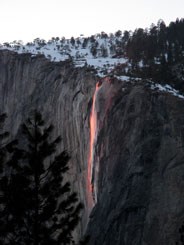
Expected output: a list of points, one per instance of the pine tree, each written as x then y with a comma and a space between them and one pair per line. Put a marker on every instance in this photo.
72, 41
3, 135
42, 207
181, 231
8, 153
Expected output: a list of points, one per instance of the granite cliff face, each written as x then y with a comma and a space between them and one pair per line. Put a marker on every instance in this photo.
136, 169
63, 94
140, 178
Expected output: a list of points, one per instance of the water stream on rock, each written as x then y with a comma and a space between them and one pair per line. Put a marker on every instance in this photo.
93, 138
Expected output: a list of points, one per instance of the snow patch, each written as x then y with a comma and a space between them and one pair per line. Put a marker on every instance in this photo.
79, 50
166, 88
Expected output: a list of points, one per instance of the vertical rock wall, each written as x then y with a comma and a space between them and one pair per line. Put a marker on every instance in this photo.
63, 94
138, 167
140, 151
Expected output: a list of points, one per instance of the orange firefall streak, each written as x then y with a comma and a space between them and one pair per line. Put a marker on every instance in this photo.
93, 129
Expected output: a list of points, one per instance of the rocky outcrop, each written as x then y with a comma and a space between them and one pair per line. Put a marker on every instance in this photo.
137, 169
140, 197
63, 94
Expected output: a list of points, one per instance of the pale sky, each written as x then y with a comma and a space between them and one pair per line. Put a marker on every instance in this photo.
26, 20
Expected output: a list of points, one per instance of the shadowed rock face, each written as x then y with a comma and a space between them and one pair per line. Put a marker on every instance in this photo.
138, 168
62, 93
141, 170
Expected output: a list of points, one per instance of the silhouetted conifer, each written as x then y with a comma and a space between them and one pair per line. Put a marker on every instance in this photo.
3, 135
8, 154
41, 208
181, 231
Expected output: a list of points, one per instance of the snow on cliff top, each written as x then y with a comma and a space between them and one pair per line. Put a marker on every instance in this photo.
94, 51
166, 88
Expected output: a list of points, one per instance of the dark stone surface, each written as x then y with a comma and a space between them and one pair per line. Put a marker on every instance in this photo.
139, 155
63, 95
141, 170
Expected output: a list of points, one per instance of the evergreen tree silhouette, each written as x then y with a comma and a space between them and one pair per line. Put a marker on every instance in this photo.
42, 209
8, 153
181, 231
3, 135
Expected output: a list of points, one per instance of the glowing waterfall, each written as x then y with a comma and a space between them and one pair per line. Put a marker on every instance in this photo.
93, 137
